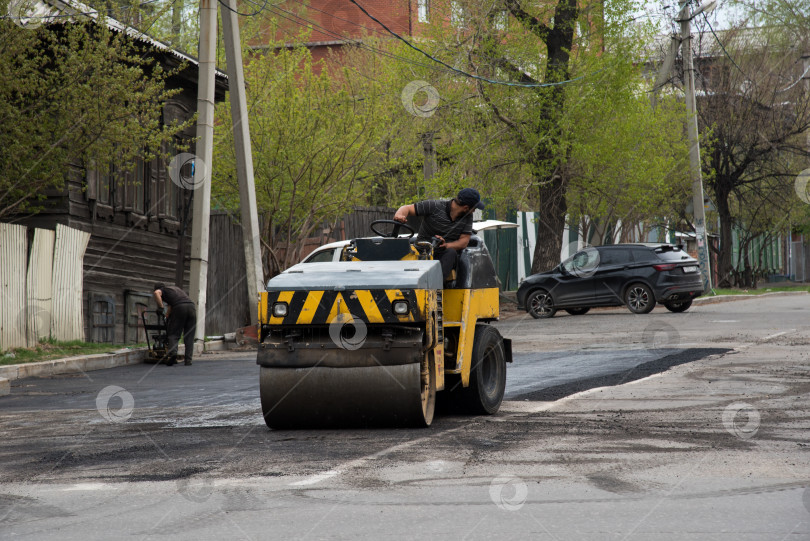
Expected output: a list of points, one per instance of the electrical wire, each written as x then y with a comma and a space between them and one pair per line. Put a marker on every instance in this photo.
258, 11
341, 18
356, 42
462, 72
721, 45
797, 81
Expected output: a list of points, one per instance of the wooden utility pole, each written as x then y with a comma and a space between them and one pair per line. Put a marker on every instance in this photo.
685, 18
204, 151
204, 158
254, 276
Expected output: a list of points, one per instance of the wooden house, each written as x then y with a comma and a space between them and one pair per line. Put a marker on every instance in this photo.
139, 221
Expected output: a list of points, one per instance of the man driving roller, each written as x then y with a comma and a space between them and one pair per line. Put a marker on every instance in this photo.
449, 221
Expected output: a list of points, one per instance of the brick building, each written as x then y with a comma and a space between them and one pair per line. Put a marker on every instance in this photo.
338, 23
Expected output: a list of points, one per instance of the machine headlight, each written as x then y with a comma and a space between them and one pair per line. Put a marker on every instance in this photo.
280, 309
400, 307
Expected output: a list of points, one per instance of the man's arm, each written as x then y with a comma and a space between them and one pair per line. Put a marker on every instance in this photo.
403, 212
456, 245
158, 295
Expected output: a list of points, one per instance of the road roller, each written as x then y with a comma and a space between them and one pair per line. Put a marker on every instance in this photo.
371, 340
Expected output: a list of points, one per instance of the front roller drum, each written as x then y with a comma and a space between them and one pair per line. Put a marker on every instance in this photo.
324, 397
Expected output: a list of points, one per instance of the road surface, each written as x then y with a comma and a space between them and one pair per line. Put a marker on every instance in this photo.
616, 426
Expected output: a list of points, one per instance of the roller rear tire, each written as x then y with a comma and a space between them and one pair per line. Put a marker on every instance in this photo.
487, 373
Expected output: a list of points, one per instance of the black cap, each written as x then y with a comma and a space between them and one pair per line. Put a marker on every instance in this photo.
159, 285
469, 197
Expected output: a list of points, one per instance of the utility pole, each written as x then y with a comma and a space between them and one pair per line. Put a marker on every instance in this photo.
685, 18
204, 151
244, 160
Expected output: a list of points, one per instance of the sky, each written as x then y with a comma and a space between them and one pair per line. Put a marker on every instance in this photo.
663, 11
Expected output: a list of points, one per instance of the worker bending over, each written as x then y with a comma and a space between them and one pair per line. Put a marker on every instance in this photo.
181, 319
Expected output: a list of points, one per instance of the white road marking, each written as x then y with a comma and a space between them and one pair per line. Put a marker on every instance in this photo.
87, 486
518, 409
725, 321
318, 477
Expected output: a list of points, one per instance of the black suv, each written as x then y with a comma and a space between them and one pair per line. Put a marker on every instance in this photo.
634, 275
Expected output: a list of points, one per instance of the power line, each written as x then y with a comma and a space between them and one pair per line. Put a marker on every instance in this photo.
721, 45
461, 72
341, 18
356, 42
797, 81
258, 11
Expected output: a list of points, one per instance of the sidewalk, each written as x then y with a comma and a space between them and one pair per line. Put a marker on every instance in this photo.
85, 363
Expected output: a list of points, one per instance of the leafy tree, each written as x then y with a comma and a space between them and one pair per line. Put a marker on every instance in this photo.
313, 135
589, 147
73, 92
758, 118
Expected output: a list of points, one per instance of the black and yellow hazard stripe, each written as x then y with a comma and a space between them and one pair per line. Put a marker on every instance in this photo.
321, 307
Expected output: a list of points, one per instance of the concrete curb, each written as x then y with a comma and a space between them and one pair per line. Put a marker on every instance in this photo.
726, 298
70, 365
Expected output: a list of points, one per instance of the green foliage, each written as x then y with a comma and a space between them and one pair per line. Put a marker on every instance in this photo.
72, 93
52, 349
313, 138
618, 159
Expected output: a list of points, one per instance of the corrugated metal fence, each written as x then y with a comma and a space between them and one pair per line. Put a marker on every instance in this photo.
41, 292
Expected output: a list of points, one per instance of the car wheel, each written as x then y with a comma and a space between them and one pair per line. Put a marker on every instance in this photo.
678, 306
639, 299
539, 305
577, 311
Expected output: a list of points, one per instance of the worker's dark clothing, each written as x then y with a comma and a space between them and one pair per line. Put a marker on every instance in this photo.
437, 221
182, 321
172, 296
448, 258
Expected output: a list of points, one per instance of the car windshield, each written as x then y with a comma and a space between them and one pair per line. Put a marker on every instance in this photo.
321, 257
581, 261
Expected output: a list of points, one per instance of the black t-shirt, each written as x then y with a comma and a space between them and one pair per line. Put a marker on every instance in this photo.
436, 221
173, 296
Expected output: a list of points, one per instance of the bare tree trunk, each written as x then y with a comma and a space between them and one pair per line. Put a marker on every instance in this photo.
726, 248
550, 225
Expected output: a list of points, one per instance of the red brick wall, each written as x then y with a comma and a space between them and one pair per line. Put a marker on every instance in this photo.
337, 20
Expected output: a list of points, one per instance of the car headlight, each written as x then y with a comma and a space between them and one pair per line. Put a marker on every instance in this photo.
400, 307
280, 309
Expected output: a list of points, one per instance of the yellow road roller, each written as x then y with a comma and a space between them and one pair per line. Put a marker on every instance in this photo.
372, 339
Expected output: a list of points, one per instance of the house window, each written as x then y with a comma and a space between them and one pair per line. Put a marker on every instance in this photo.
423, 10
135, 187
456, 14
499, 20
168, 190
102, 318
139, 187
104, 187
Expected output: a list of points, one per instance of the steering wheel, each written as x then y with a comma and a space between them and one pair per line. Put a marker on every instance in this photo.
395, 231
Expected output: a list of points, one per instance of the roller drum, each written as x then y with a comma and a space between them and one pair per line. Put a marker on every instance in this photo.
323, 397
